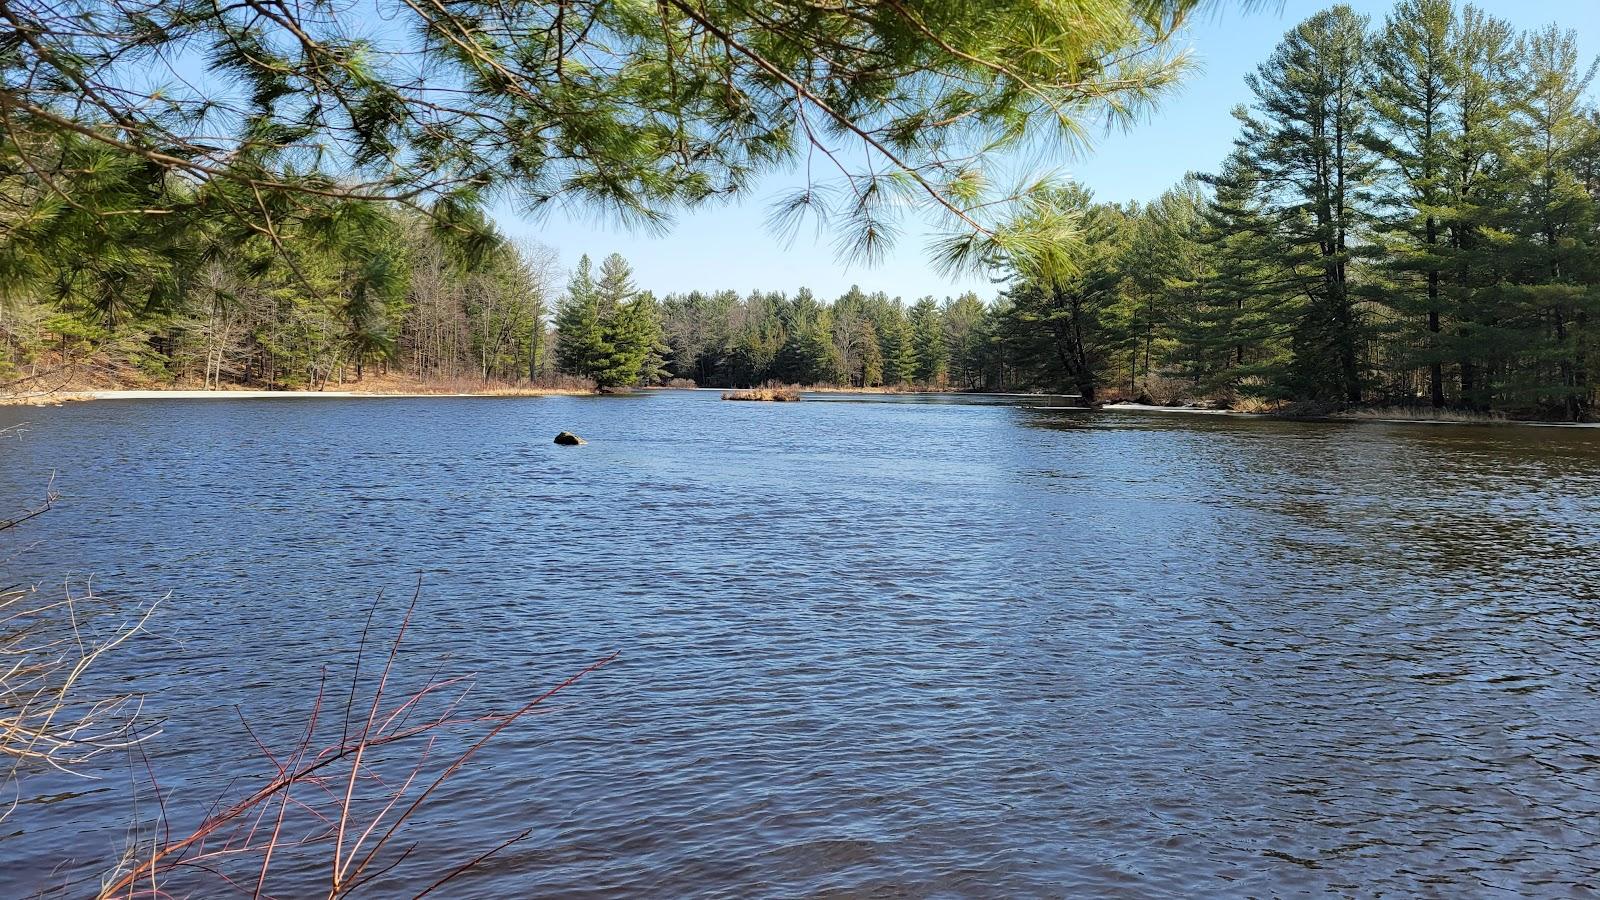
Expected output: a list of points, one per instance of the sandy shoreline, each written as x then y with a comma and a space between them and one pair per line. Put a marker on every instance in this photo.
60, 397
54, 398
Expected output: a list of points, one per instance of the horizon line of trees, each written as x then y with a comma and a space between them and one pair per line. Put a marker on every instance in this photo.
309, 202
1411, 215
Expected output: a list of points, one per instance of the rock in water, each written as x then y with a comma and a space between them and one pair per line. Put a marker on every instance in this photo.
568, 439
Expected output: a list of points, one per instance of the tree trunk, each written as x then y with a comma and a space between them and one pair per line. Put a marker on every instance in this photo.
1435, 365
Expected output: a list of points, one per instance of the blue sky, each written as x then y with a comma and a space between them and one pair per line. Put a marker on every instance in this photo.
731, 247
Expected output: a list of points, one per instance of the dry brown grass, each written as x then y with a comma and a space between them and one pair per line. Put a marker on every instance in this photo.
1421, 414
458, 385
1254, 405
779, 393
875, 389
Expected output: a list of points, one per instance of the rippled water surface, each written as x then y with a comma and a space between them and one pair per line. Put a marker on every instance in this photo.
892, 648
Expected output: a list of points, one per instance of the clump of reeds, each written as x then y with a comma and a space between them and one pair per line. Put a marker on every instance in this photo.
780, 393
1256, 405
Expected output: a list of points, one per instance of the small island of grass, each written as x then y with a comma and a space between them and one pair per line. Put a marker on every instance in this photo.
770, 392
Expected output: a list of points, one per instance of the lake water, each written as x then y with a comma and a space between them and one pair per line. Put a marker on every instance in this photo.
891, 647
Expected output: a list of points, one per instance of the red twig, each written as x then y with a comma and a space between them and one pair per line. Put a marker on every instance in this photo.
353, 861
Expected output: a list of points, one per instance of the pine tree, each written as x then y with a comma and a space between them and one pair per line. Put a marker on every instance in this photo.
807, 355
370, 310
1248, 292
963, 336
852, 332
633, 335
895, 343
1304, 138
581, 346
1162, 275
1484, 54
685, 109
1415, 78
1555, 233
615, 286
1059, 325
871, 356
629, 345
927, 343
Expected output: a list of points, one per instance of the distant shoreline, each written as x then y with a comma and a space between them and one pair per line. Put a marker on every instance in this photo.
59, 398
55, 398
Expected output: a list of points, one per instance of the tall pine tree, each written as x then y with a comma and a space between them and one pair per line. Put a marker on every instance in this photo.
1304, 137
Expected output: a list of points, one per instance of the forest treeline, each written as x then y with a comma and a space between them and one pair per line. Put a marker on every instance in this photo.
1409, 217
356, 288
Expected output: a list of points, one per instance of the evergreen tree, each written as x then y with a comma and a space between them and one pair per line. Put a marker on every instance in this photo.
852, 331
1058, 323
1304, 137
370, 312
581, 346
807, 355
1484, 54
633, 336
895, 343
615, 286
871, 356
607, 329
927, 343
1554, 238
691, 103
1415, 78
964, 337
1247, 294
1162, 276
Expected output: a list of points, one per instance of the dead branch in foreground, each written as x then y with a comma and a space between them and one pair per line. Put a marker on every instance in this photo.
33, 512
348, 793
45, 652
47, 646
348, 799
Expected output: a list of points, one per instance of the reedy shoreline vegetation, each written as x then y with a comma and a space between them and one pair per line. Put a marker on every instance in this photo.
779, 393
